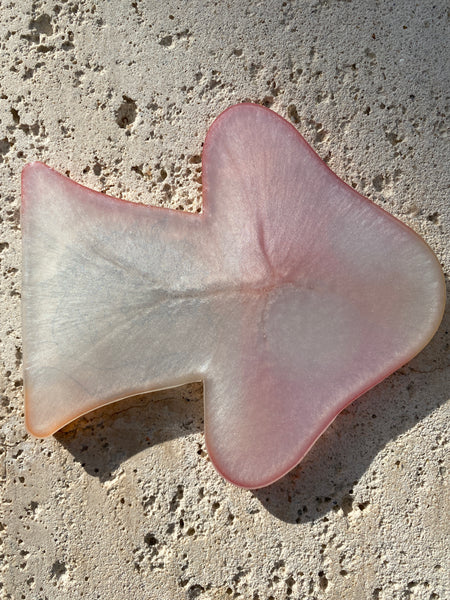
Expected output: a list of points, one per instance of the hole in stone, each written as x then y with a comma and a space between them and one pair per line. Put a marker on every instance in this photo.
150, 539
126, 113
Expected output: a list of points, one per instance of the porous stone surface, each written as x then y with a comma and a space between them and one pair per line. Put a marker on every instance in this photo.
124, 503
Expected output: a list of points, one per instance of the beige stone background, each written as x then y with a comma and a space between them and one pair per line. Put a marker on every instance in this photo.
124, 503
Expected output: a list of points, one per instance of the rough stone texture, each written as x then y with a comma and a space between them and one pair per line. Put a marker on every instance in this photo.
124, 503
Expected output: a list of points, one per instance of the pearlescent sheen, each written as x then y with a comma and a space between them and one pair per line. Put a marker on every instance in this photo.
289, 296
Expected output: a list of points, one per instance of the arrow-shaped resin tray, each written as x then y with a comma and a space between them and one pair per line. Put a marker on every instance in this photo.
289, 296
